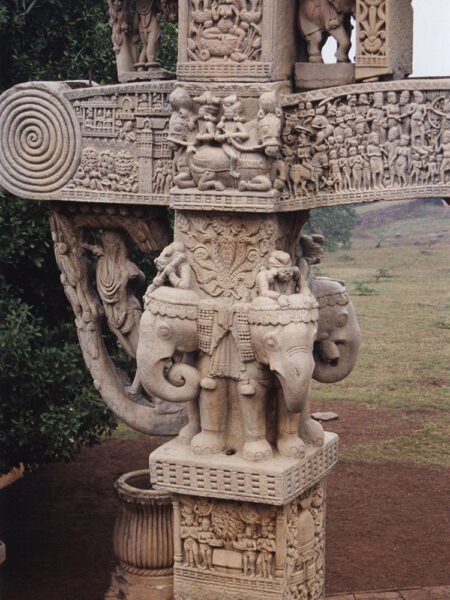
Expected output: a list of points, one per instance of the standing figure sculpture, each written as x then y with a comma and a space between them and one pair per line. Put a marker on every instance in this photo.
318, 19
146, 26
117, 279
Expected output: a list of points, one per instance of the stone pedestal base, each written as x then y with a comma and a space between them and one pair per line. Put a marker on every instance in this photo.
139, 585
175, 468
313, 76
230, 550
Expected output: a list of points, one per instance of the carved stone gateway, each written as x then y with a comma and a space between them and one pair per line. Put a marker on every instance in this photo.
225, 341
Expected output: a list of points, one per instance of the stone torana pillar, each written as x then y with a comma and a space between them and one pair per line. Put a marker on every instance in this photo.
235, 326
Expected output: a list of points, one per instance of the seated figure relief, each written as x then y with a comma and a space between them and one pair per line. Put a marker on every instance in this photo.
225, 30
217, 147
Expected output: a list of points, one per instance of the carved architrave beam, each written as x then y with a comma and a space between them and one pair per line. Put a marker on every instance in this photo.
114, 144
100, 283
64, 141
366, 142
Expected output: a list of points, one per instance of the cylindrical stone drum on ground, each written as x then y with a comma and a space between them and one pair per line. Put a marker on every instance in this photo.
143, 541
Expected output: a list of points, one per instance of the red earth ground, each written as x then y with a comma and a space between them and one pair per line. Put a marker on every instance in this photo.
387, 524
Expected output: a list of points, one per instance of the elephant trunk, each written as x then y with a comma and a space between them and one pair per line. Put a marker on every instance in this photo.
335, 359
181, 384
294, 375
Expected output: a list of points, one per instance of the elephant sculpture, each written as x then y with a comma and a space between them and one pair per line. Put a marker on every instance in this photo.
318, 19
339, 336
260, 353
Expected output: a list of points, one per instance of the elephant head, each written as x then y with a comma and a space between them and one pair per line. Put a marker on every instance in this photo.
283, 338
168, 327
339, 335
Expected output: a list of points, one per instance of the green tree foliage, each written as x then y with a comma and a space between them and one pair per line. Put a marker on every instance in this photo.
336, 223
48, 406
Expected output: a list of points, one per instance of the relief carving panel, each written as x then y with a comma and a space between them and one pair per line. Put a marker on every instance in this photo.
226, 549
236, 40
368, 142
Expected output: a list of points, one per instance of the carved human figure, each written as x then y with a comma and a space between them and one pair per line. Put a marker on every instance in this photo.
375, 155
335, 170
246, 543
346, 170
317, 18
391, 145
207, 541
418, 114
189, 534
242, 155
393, 113
355, 163
173, 269
222, 36
416, 172
181, 138
402, 158
280, 280
362, 151
146, 26
444, 147
376, 116
265, 545
231, 130
117, 280
208, 116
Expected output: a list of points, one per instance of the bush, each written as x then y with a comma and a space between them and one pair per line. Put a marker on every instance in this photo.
335, 223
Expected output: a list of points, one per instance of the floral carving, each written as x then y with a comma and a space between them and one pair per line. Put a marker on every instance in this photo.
226, 252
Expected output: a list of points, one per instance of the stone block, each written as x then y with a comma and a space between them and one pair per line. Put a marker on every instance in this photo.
312, 76
176, 469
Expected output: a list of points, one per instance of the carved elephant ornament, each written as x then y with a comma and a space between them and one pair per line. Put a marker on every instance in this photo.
339, 335
191, 350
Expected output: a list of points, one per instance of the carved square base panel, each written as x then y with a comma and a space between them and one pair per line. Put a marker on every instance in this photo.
176, 469
226, 550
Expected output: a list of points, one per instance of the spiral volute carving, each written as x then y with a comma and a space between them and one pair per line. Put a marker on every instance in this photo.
40, 140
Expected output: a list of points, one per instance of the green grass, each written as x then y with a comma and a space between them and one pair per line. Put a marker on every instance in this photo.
123, 432
405, 354
426, 448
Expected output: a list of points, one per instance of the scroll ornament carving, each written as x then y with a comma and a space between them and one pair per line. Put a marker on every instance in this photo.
218, 147
225, 30
41, 140
116, 279
367, 141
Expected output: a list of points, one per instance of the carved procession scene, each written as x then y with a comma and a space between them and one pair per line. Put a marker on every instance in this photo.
241, 543
224, 343
368, 141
